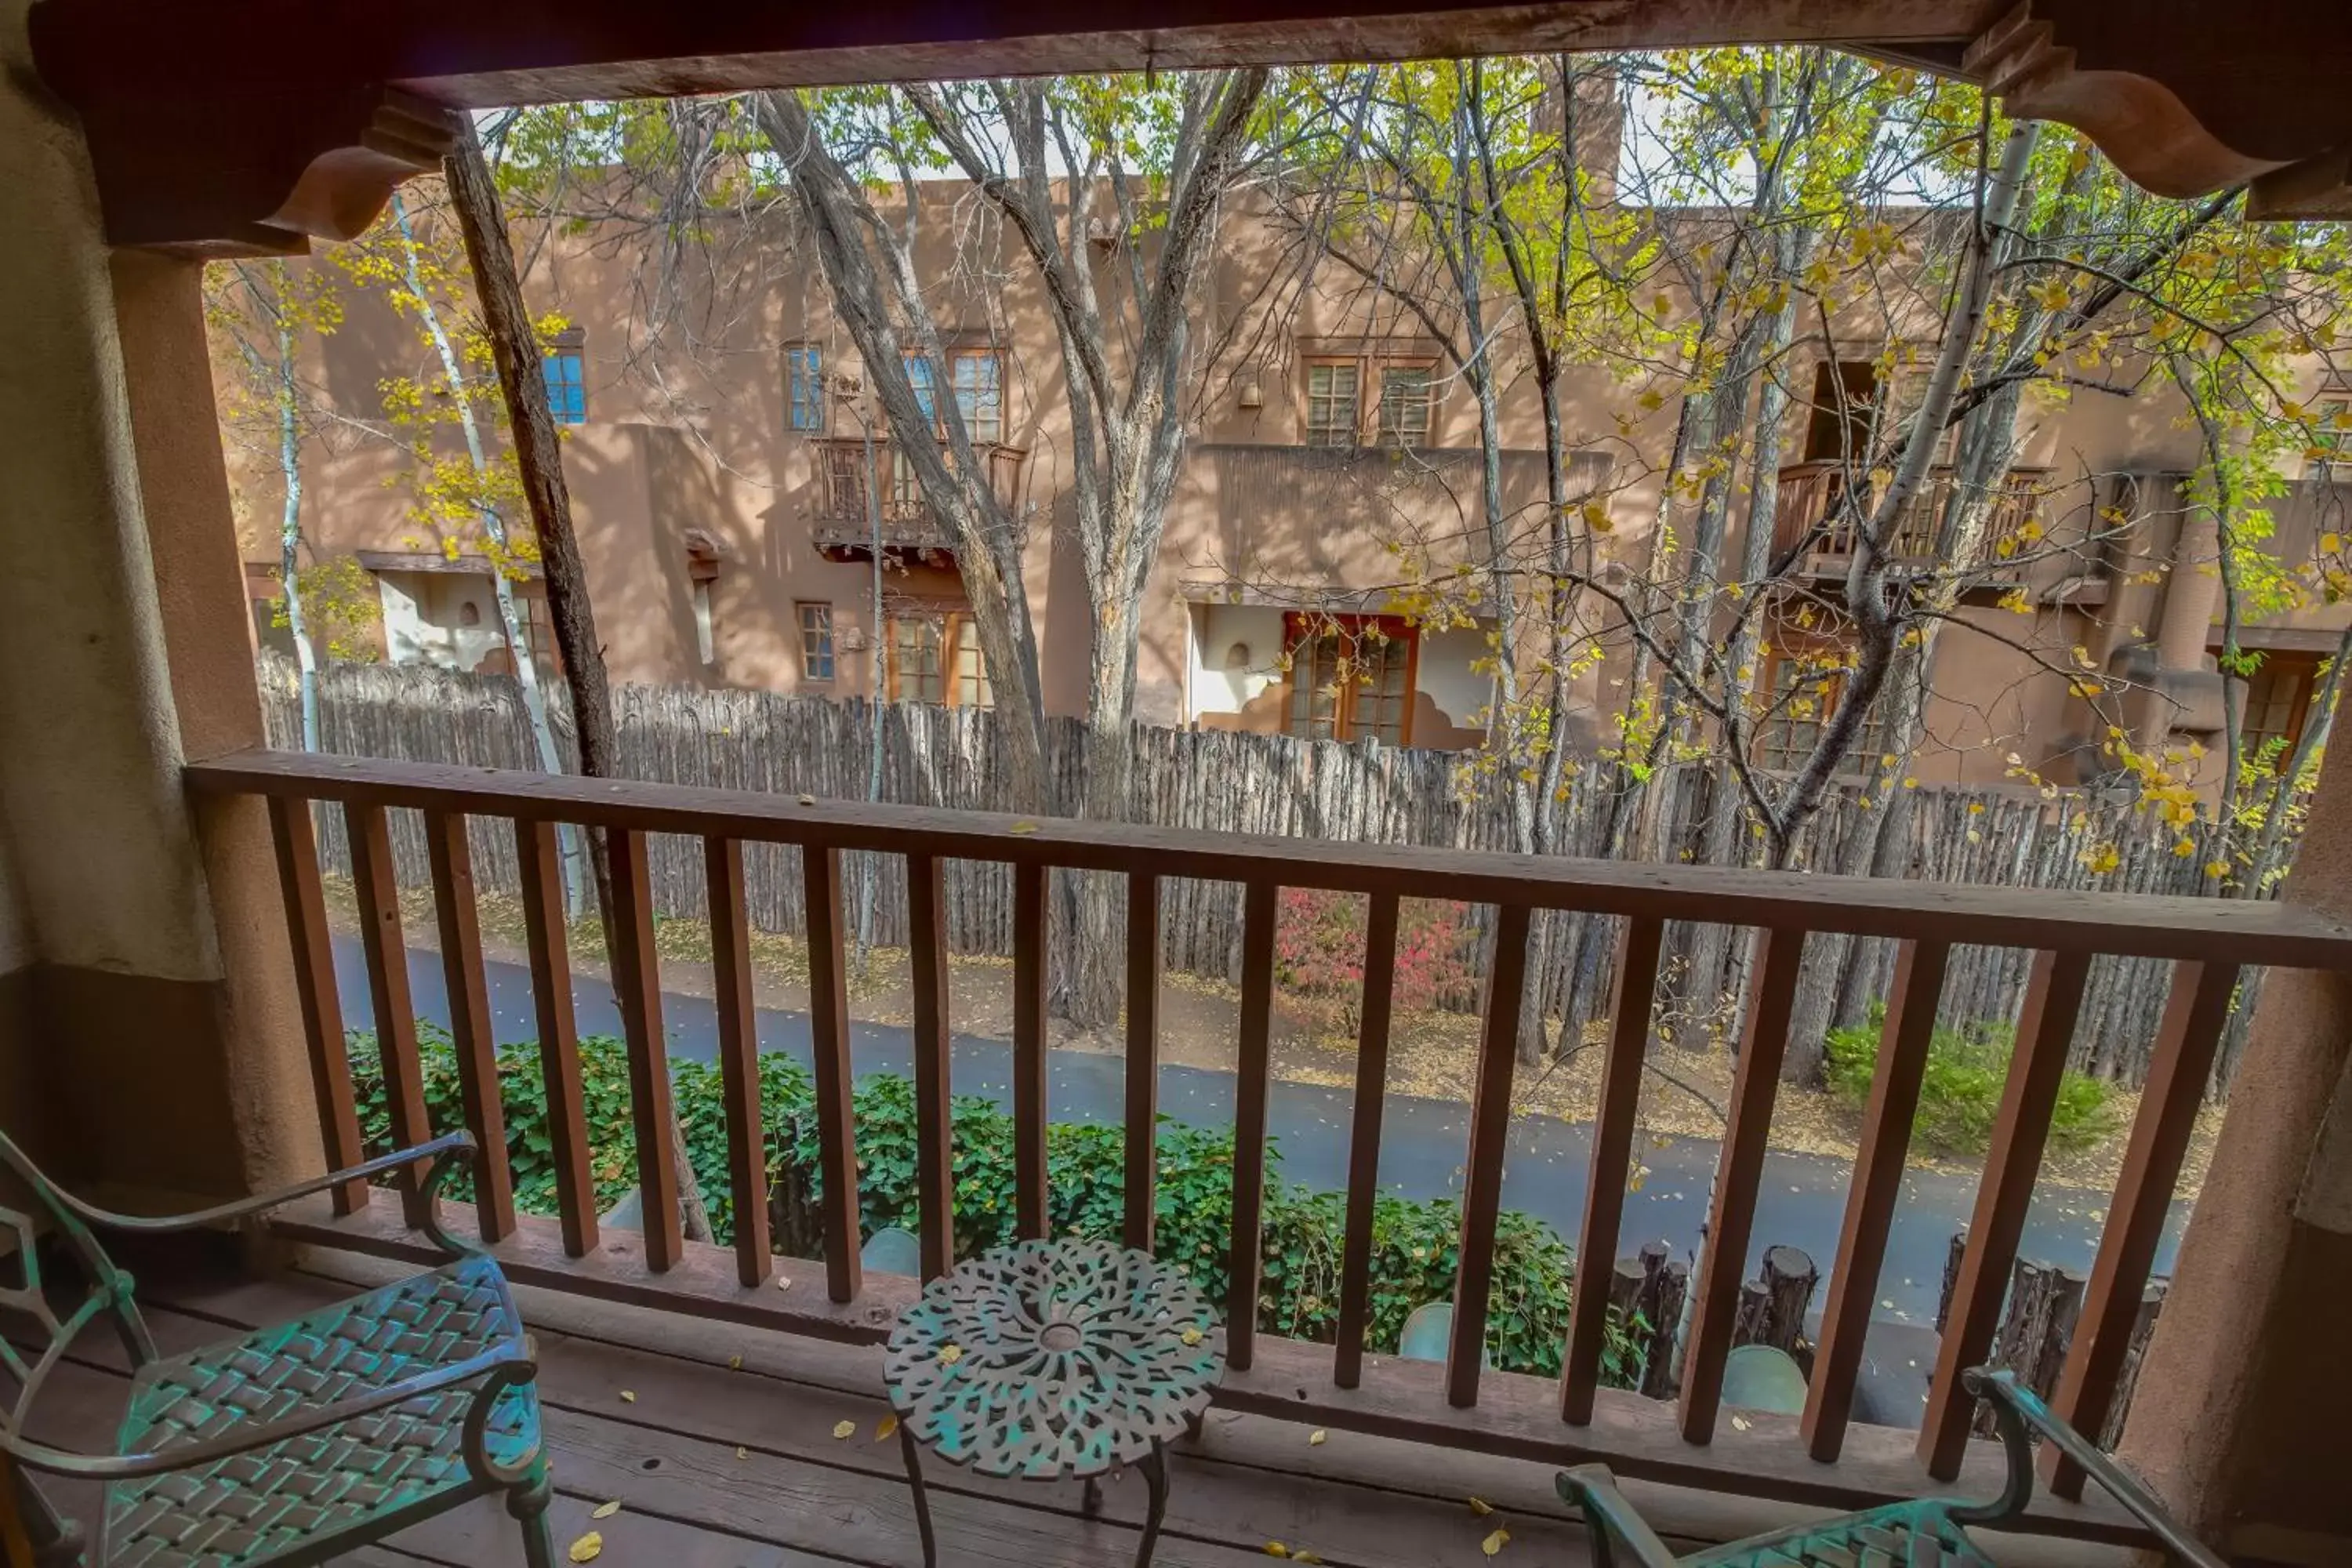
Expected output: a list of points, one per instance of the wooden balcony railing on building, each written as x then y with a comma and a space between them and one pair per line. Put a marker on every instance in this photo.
1824, 1457
1809, 505
844, 522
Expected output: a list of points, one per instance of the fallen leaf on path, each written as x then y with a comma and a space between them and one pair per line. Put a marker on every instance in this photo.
586, 1548
606, 1510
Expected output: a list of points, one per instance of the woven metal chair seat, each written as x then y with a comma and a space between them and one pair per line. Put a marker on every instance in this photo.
1902, 1535
354, 1481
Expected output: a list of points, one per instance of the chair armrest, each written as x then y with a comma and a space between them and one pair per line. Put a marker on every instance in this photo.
515, 1355
1625, 1540
457, 1146
2017, 1407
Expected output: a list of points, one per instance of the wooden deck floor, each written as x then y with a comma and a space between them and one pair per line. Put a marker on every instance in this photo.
719, 1445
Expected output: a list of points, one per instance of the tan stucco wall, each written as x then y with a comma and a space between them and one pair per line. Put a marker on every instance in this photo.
127, 1003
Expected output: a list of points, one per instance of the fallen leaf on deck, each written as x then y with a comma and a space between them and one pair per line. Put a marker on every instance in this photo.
1304, 1557
606, 1510
1480, 1506
1277, 1549
885, 1427
845, 1428
1022, 828
1739, 1423
808, 800
584, 1550
1191, 1335
743, 1453
734, 1363
783, 1281
1495, 1543
629, 1397
1318, 1437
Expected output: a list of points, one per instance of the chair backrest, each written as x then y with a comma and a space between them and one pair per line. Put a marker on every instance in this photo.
891, 1250
38, 1320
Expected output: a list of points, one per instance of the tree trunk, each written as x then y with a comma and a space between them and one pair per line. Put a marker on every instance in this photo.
289, 526
515, 347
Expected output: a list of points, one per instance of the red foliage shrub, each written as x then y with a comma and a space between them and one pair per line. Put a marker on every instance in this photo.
1318, 951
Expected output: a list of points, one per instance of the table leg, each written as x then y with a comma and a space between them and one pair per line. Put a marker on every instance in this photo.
1155, 1475
1090, 1500
922, 1499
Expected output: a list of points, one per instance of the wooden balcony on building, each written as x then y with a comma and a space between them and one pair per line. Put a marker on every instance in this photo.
1812, 508
846, 525
1825, 1458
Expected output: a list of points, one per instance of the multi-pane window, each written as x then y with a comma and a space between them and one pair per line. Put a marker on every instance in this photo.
816, 641
972, 688
1351, 678
567, 383
1334, 403
935, 657
978, 378
804, 387
1404, 405
2330, 456
1805, 690
2278, 697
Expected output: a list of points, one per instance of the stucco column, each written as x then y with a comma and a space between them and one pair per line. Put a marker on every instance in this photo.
133, 1017
2238, 1414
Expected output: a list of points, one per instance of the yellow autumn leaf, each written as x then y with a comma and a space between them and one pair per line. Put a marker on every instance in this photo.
606, 1510
1277, 1549
1191, 1335
1480, 1506
586, 1548
734, 1363
1739, 1423
1318, 1437
629, 1397
743, 1453
951, 1355
844, 1429
1306, 1557
886, 1427
1495, 1543
1024, 825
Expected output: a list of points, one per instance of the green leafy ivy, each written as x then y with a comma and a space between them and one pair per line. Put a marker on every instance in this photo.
1414, 1243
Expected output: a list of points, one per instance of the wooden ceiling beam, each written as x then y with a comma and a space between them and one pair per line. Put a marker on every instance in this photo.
237, 126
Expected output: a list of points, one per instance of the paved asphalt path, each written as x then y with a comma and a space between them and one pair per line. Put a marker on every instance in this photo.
1422, 1144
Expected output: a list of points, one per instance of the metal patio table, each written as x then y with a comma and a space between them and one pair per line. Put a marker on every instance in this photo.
1054, 1360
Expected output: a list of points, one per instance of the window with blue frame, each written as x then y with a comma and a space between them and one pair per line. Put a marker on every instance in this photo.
804, 387
567, 382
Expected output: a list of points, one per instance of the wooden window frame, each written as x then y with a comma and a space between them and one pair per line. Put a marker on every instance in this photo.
831, 654
975, 355
954, 626
1769, 748
2303, 667
1306, 628
805, 389
2331, 404
1382, 435
1354, 366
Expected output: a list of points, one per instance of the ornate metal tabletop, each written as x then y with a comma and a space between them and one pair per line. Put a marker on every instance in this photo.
1054, 1360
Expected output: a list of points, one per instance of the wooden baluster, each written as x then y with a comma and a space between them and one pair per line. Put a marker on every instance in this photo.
2194, 1015
1029, 928
927, 922
1490, 1134
2045, 1029
637, 986
738, 1056
314, 987
1250, 1073
452, 859
538, 856
1364, 1139
396, 1015
829, 1045
1612, 1147
1739, 1168
1142, 1055
1886, 1142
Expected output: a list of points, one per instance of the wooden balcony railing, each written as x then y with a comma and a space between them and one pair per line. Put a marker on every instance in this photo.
844, 520
1823, 1458
1810, 494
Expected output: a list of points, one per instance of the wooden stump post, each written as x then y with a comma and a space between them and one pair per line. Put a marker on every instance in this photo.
2151, 1302
1772, 1307
1952, 1275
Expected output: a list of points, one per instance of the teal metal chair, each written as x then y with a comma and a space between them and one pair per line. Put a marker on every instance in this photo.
1428, 1335
293, 1444
1932, 1532
891, 1250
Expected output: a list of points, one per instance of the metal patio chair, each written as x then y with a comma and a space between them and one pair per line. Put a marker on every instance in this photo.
1932, 1532
293, 1443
